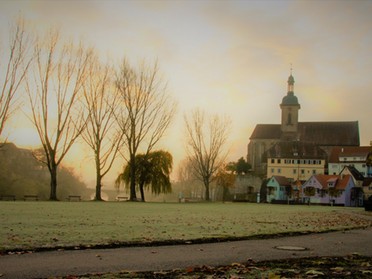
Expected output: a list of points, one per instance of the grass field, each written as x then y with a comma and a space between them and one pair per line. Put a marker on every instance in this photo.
33, 225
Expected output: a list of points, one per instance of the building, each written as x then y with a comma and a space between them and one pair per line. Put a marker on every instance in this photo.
353, 156
325, 135
355, 174
331, 189
295, 160
278, 188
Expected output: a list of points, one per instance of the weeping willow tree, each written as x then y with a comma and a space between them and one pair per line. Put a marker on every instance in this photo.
152, 170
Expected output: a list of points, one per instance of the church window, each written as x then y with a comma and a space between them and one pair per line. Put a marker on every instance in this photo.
289, 122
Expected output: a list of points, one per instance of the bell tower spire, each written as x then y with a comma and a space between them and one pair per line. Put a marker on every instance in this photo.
290, 108
291, 82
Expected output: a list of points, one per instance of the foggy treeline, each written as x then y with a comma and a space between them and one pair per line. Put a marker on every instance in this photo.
21, 174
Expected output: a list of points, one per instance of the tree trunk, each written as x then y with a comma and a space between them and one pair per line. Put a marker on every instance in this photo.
98, 196
53, 183
142, 192
225, 191
207, 191
132, 196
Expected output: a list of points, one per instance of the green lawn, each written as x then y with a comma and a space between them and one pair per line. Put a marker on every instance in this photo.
29, 225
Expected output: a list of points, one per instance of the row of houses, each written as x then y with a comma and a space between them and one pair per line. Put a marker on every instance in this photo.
301, 172
342, 189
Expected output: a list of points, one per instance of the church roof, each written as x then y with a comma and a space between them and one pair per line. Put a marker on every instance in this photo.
330, 133
266, 131
320, 133
295, 149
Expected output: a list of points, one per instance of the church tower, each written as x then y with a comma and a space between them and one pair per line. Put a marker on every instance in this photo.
290, 108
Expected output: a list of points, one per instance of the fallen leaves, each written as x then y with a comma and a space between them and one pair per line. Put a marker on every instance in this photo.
353, 266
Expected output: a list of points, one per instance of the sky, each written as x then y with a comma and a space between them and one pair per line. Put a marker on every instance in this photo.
231, 57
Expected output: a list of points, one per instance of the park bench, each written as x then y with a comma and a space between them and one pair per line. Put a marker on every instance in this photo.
193, 199
74, 198
30, 197
8, 198
121, 198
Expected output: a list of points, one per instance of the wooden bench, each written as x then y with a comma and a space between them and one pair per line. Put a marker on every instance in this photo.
8, 198
193, 200
30, 197
121, 198
74, 198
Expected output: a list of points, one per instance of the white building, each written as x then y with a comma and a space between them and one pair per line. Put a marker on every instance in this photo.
355, 156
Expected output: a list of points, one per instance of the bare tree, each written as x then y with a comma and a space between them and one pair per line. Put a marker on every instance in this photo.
146, 113
54, 92
14, 65
102, 133
206, 141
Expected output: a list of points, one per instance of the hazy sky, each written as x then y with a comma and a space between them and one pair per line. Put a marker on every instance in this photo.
228, 57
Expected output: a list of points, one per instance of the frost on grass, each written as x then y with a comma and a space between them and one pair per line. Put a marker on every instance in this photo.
46, 225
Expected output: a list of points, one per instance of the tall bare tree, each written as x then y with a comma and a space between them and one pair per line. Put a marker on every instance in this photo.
102, 132
206, 142
147, 111
54, 93
14, 64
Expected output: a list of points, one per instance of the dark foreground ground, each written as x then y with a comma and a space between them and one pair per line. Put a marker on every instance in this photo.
342, 254
352, 266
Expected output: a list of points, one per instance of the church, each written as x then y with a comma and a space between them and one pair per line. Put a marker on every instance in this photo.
268, 138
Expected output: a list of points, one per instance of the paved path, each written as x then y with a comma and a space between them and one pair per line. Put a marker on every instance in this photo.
62, 263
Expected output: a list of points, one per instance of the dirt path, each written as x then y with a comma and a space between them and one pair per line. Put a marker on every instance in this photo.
63, 263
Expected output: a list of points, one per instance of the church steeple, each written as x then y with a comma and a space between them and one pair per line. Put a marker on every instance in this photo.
291, 82
290, 108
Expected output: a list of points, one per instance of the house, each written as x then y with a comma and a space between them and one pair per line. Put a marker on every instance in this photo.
295, 160
357, 191
330, 189
355, 174
325, 135
278, 189
354, 156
